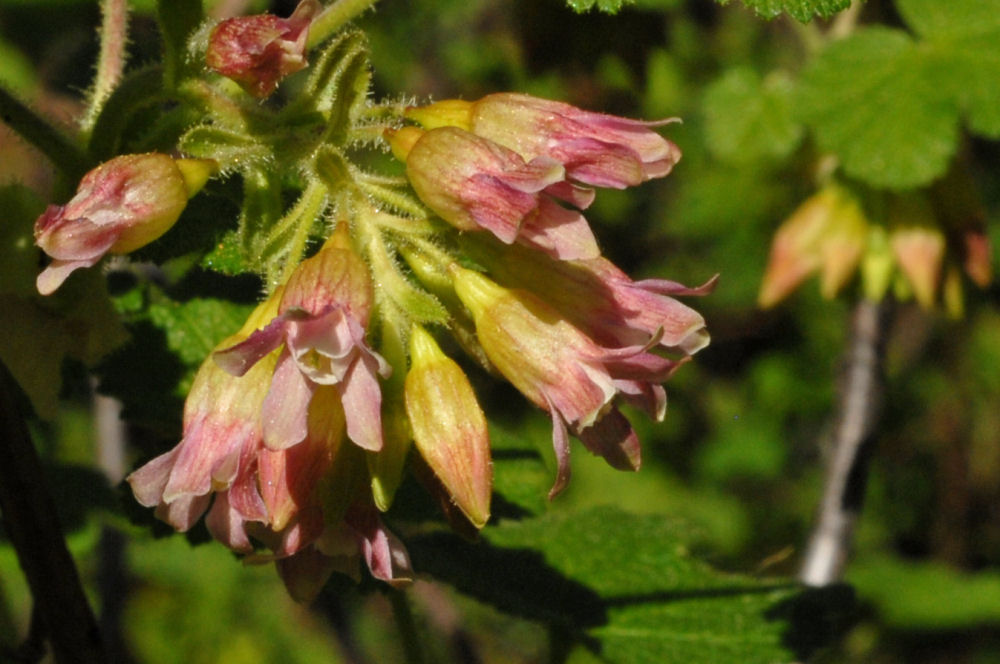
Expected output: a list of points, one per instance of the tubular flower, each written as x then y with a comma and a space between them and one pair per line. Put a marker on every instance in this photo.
120, 206
222, 436
258, 51
321, 325
474, 184
596, 149
562, 370
449, 428
601, 300
298, 501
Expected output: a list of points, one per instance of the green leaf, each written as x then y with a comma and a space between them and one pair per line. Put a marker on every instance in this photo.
875, 100
193, 328
964, 37
624, 586
927, 595
749, 120
803, 10
606, 6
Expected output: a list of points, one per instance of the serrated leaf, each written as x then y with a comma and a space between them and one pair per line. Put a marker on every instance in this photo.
193, 328
964, 35
750, 120
875, 100
803, 10
606, 6
624, 586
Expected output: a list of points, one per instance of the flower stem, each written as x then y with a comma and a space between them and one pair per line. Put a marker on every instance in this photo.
29, 516
334, 18
111, 61
299, 220
407, 626
844, 489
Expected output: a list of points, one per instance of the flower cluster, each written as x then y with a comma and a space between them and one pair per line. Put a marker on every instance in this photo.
297, 428
915, 248
566, 327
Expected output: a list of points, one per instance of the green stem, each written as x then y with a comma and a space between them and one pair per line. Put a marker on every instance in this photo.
299, 219
407, 627
61, 151
29, 515
111, 61
334, 18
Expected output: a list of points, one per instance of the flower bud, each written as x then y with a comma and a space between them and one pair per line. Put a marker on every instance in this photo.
827, 233
120, 206
258, 51
449, 428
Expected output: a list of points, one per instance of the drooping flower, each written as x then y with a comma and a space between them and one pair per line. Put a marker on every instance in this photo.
449, 428
259, 51
473, 183
562, 370
306, 503
321, 324
599, 299
827, 233
595, 148
120, 206
222, 437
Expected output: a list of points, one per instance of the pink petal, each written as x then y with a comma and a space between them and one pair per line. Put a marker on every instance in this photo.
149, 481
305, 573
560, 443
238, 359
183, 512
599, 163
613, 438
362, 399
226, 525
496, 207
285, 410
56, 272
384, 553
561, 233
577, 196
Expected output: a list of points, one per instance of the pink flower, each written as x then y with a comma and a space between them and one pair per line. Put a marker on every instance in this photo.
307, 503
120, 206
596, 149
258, 51
473, 183
565, 372
599, 299
321, 325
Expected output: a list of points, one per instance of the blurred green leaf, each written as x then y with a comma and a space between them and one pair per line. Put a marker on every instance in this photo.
875, 100
927, 595
803, 10
750, 120
963, 36
606, 6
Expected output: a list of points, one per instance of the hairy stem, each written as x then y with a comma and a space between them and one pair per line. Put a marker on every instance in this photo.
29, 516
843, 494
111, 61
334, 18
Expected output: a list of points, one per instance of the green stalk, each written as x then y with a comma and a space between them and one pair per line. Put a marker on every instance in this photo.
111, 61
334, 18
299, 220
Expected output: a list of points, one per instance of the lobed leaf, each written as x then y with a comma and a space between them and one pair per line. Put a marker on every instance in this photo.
802, 10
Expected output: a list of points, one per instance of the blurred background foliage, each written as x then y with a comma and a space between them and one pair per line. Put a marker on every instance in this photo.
737, 466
